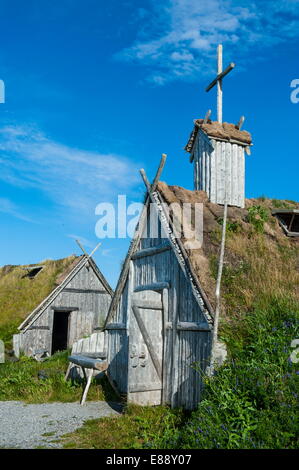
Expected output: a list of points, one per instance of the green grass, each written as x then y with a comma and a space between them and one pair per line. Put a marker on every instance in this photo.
19, 295
133, 430
19, 381
252, 401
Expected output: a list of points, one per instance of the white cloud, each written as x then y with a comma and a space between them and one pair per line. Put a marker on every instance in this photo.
84, 241
178, 41
71, 177
9, 207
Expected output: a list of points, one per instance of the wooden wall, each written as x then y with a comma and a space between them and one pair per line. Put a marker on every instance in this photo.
216, 162
182, 346
87, 295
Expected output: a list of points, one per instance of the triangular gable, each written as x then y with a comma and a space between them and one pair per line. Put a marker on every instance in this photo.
179, 252
65, 279
182, 258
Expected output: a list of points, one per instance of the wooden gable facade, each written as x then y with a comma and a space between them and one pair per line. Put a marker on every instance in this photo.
160, 330
76, 308
218, 153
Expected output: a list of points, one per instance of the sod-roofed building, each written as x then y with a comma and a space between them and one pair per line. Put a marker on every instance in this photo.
75, 307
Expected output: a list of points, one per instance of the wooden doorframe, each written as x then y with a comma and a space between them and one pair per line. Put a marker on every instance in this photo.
66, 310
163, 290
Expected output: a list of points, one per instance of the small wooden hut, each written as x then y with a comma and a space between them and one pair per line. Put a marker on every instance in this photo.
218, 153
160, 320
75, 308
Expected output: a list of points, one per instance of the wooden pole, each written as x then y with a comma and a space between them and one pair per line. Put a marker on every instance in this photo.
219, 83
218, 289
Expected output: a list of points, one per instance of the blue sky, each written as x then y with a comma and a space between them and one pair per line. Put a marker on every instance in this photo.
96, 90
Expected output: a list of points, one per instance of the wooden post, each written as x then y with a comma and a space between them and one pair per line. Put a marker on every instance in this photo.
219, 84
218, 80
2, 352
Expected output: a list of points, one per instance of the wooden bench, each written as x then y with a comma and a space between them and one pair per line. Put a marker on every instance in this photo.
88, 363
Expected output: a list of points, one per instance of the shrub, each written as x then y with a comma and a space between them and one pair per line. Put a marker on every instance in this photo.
252, 401
257, 216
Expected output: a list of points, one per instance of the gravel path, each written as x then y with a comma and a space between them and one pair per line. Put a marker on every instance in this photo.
24, 426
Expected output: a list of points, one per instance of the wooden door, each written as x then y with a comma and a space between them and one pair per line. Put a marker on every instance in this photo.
146, 348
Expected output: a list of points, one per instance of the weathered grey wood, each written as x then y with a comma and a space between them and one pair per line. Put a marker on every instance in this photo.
85, 291
86, 295
68, 371
147, 341
133, 245
41, 327
193, 326
133, 388
185, 263
88, 382
207, 116
2, 352
154, 286
165, 369
16, 345
63, 308
116, 326
221, 75
150, 304
161, 290
240, 123
150, 251
88, 362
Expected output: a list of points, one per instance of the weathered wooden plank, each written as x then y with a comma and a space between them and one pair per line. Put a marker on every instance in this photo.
150, 304
190, 326
150, 251
88, 362
147, 341
139, 387
76, 290
64, 308
154, 286
37, 327
116, 326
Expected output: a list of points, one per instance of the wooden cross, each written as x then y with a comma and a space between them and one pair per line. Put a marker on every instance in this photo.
84, 251
218, 81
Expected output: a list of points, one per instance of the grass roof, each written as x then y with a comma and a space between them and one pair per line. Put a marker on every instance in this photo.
20, 294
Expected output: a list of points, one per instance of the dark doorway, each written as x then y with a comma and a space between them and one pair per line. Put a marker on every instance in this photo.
60, 331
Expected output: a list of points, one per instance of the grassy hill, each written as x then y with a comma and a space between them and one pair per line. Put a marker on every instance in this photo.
20, 294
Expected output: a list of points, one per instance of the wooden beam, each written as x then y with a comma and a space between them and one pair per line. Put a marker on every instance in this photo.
81, 246
240, 123
154, 286
64, 309
84, 291
148, 304
193, 326
207, 116
88, 362
94, 250
33, 327
134, 388
221, 75
189, 326
116, 326
151, 251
